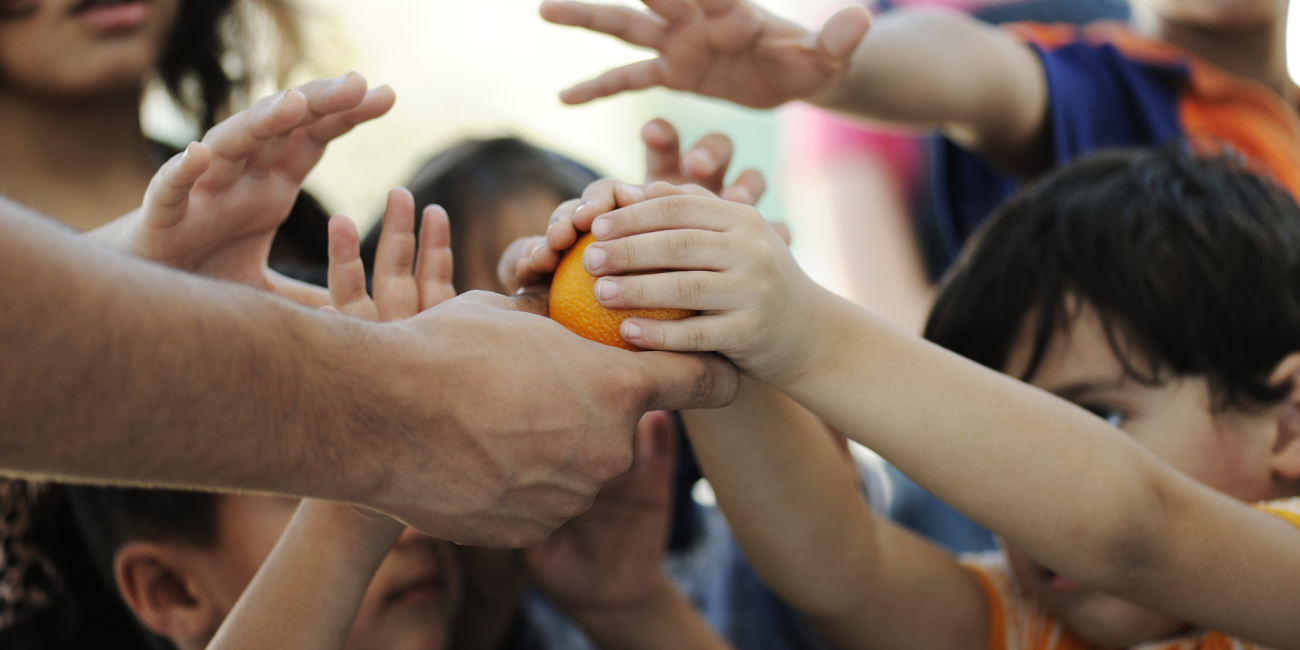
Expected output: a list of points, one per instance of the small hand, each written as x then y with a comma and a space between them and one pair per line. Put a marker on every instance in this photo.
406, 282
610, 556
215, 209
723, 260
730, 49
528, 262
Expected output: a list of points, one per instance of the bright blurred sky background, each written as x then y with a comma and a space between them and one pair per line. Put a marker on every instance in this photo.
484, 68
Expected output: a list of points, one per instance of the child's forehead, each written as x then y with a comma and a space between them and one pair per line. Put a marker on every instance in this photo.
1079, 352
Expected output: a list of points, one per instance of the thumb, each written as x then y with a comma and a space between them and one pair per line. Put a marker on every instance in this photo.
532, 303
841, 34
678, 382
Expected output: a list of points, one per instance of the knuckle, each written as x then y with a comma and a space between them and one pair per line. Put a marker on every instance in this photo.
690, 288
679, 245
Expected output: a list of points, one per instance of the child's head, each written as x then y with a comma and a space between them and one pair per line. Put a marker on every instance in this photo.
1158, 291
494, 191
180, 561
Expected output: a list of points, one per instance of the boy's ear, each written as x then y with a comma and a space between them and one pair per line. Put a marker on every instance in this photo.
162, 594
1284, 461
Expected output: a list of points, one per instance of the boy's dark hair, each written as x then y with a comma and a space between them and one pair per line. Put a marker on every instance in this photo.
474, 178
1193, 265
80, 529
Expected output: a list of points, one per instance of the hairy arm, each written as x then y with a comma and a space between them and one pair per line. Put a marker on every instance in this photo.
116, 370
949, 71
863, 581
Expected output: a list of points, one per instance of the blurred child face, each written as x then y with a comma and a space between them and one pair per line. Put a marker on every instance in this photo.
71, 48
408, 606
525, 214
1226, 451
1215, 15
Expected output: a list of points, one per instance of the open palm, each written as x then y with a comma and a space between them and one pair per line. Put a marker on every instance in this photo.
730, 49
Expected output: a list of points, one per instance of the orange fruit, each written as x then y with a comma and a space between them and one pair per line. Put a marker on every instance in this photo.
573, 302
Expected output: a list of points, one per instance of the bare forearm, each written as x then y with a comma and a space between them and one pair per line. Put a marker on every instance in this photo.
767, 459
944, 70
1011, 457
308, 592
117, 370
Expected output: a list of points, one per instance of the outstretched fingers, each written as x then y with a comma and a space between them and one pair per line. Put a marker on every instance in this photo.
434, 265
624, 23
842, 34
633, 76
248, 132
347, 276
168, 196
396, 294
748, 188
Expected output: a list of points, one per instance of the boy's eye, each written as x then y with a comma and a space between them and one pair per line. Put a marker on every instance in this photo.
1112, 416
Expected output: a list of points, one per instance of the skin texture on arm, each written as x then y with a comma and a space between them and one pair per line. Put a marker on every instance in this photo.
863, 581
329, 554
117, 370
1133, 531
915, 68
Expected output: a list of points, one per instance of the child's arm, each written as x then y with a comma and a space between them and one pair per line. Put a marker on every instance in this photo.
309, 590
603, 568
1072, 491
214, 209
915, 68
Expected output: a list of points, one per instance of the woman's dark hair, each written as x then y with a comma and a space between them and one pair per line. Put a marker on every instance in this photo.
1193, 265
80, 529
474, 178
208, 60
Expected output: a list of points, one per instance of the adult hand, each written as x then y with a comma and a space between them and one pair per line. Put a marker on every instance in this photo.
214, 210
530, 419
730, 49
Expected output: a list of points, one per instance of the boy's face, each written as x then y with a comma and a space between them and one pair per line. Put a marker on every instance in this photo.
410, 602
1215, 15
1226, 451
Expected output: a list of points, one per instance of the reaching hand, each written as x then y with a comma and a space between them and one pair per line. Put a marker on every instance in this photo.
730, 49
528, 262
610, 556
406, 282
215, 209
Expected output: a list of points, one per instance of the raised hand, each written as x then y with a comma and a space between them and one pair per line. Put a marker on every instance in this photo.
528, 261
730, 49
610, 556
215, 209
406, 281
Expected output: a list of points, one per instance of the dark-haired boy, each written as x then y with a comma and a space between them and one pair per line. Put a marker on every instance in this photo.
1153, 291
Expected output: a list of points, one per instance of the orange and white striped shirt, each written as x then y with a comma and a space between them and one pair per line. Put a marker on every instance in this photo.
1018, 622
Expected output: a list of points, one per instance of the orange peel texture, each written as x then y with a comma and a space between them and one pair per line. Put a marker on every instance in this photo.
573, 302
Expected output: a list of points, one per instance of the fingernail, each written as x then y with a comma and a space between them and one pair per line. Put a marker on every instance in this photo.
601, 227
594, 257
630, 330
606, 289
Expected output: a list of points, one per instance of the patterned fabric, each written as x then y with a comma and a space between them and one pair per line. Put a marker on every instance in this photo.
1018, 622
28, 580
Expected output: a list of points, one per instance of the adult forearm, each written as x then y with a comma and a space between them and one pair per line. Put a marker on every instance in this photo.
118, 370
